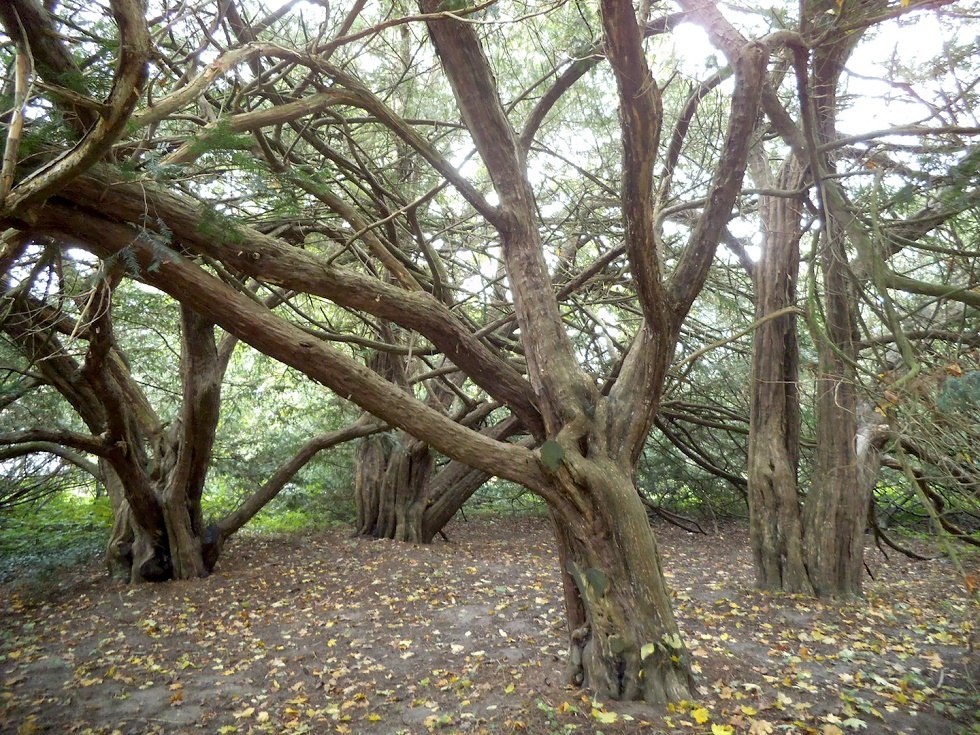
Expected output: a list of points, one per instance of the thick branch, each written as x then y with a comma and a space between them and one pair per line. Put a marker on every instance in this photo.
689, 276
201, 373
640, 119
261, 497
552, 366
59, 450
73, 439
273, 262
131, 72
256, 325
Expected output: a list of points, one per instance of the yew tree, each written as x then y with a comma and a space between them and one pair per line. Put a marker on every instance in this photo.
873, 204
152, 456
205, 148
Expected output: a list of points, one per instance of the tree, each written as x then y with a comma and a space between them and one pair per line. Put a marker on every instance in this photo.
153, 466
142, 203
817, 545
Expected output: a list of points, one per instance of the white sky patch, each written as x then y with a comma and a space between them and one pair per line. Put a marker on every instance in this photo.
694, 52
878, 104
487, 265
748, 232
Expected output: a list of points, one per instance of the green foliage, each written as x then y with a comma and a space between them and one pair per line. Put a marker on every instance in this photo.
500, 497
961, 393
287, 522
220, 137
58, 532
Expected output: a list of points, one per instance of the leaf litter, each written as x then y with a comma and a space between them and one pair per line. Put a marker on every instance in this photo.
332, 634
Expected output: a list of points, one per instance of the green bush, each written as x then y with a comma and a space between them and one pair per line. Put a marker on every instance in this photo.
57, 532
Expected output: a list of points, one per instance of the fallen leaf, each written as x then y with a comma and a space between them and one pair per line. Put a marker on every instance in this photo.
700, 715
606, 718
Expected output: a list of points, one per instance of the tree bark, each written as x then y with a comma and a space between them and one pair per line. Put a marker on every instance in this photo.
775, 519
836, 507
624, 640
393, 475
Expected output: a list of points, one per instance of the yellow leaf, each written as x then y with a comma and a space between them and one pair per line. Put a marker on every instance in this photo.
606, 718
262, 716
700, 715
831, 730
374, 717
509, 689
227, 730
722, 730
760, 727
245, 713
28, 727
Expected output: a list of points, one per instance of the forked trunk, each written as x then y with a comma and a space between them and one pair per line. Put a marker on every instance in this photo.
624, 640
171, 551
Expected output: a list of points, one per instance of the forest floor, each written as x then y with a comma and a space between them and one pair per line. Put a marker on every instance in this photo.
332, 634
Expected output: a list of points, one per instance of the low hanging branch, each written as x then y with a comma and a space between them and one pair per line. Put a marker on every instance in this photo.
217, 535
741, 333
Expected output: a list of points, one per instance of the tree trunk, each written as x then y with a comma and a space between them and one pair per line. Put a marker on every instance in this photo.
837, 505
184, 532
775, 521
392, 486
624, 640
119, 551
370, 465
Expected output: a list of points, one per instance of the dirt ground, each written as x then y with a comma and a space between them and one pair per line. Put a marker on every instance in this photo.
333, 634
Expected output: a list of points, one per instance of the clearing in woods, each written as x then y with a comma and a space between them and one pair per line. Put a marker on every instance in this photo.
328, 633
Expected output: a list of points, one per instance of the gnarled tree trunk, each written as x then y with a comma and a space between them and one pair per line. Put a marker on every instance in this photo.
624, 639
391, 486
775, 519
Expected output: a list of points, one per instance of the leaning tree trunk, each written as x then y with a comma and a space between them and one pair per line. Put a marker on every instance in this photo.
452, 486
775, 520
624, 640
